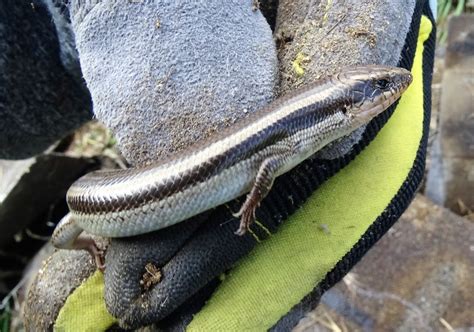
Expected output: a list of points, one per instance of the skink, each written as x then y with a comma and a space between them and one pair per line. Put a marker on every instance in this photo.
245, 158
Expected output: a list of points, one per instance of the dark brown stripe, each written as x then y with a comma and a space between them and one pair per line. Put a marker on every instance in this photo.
91, 191
299, 119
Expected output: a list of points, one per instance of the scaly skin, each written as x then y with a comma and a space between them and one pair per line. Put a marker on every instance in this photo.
243, 159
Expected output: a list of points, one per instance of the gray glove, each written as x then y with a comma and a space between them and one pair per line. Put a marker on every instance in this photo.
160, 77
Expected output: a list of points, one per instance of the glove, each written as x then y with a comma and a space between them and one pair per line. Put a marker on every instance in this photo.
284, 275
42, 94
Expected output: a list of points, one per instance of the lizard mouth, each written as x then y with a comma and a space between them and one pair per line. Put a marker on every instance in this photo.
380, 104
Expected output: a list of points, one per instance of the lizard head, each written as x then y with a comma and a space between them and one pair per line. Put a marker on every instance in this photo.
373, 89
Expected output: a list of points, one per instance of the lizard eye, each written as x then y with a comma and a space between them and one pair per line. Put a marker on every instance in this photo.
382, 84
345, 109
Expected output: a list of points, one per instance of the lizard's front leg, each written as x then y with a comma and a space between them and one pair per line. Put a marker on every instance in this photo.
263, 183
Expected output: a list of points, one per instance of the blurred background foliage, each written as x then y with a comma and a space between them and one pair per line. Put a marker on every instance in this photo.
446, 8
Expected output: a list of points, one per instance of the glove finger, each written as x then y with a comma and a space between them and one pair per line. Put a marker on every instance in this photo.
42, 93
198, 261
126, 259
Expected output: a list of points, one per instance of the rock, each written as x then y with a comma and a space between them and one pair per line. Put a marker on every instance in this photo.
450, 181
418, 277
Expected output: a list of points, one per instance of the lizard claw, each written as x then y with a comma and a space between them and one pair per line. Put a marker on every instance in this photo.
247, 214
99, 258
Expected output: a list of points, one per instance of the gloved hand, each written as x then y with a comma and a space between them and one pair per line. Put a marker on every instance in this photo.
42, 94
285, 274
